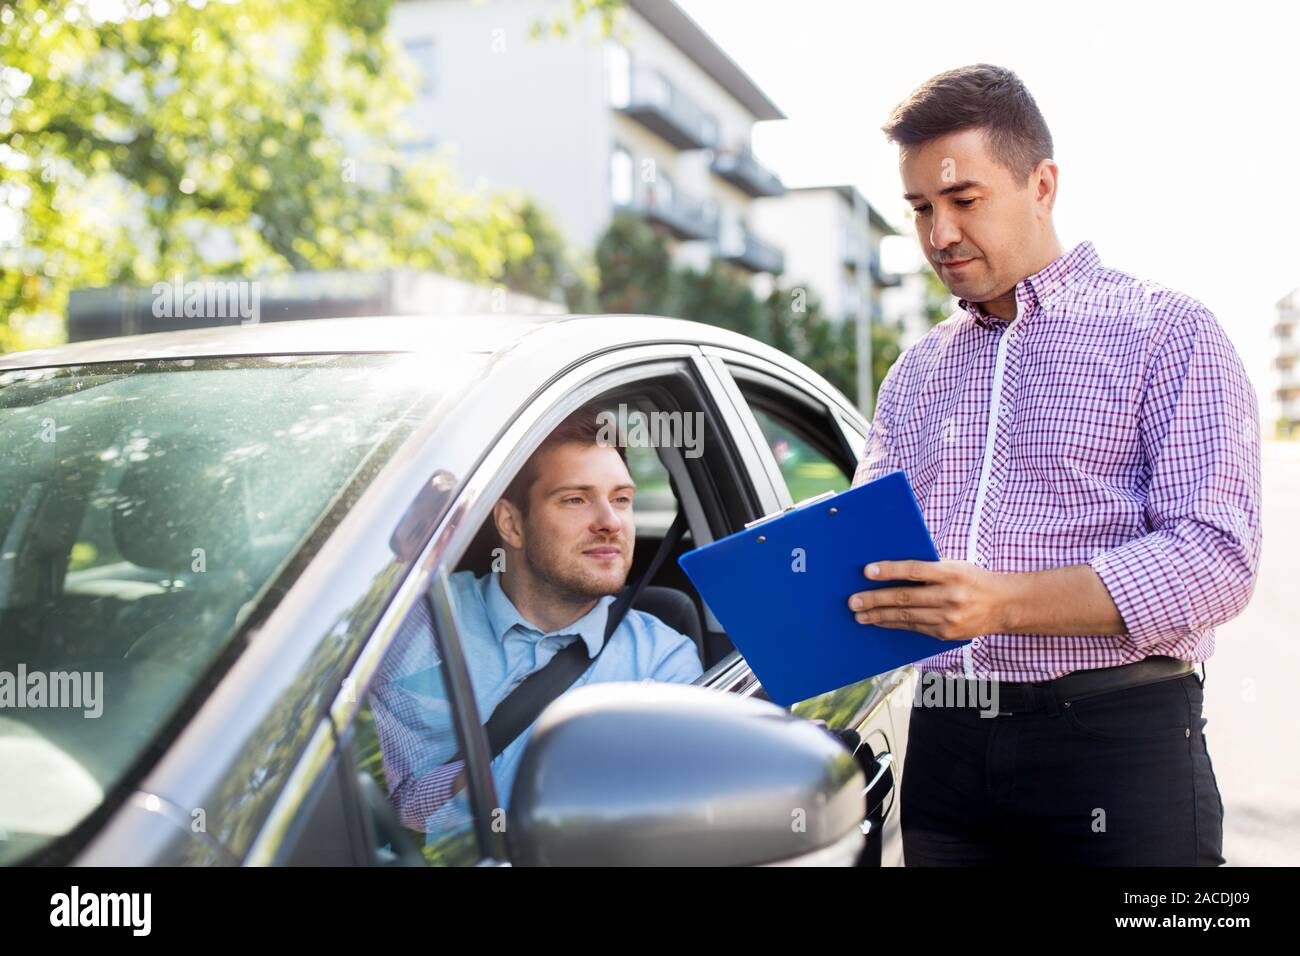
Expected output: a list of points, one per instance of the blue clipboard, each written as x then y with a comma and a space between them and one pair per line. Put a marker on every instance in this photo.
794, 627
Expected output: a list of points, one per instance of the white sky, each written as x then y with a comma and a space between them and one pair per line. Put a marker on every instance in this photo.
1177, 126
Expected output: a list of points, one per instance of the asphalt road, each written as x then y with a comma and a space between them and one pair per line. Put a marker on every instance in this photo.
1252, 688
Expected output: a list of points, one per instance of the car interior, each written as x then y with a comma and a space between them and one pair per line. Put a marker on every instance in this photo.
667, 479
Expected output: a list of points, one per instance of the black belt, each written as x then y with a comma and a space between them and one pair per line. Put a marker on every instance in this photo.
1027, 696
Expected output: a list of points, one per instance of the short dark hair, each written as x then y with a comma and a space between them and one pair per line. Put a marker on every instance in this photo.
981, 96
586, 426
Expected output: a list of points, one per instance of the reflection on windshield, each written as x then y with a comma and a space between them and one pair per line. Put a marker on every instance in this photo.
145, 509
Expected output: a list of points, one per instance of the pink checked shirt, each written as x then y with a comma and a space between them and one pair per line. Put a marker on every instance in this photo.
1111, 423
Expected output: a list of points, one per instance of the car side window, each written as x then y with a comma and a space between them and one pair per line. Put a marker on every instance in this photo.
407, 755
807, 471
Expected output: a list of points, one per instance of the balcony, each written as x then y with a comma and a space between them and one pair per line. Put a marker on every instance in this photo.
880, 277
1285, 361
742, 170
752, 253
669, 113
684, 217
1288, 396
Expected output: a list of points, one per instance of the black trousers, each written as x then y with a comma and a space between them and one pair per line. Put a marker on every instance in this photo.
1119, 779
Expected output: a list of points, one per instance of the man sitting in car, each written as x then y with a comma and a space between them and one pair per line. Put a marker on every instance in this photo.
566, 537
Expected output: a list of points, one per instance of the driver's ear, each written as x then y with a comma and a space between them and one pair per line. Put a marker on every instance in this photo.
509, 523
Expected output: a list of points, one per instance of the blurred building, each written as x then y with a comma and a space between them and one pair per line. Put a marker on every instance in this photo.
1288, 351
838, 248
659, 126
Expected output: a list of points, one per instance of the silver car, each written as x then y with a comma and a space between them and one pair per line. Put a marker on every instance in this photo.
210, 539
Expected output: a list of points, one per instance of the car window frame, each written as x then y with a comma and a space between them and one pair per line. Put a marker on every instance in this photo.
455, 530
806, 402
849, 420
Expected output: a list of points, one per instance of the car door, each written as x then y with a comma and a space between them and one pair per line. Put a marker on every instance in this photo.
417, 648
810, 440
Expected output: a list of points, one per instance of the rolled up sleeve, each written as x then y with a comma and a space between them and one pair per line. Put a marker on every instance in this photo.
1196, 566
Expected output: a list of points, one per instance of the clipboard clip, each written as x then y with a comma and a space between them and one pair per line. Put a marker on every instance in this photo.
788, 508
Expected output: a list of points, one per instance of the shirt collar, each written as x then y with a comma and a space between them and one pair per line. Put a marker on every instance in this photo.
1039, 288
503, 615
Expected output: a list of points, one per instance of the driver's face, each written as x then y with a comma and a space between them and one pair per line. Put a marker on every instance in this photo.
579, 531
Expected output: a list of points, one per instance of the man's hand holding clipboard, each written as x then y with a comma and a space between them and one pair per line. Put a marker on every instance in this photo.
950, 600
781, 587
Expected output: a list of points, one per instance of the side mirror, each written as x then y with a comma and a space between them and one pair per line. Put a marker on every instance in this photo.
652, 774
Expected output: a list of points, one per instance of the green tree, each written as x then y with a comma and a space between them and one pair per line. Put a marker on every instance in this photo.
232, 139
718, 297
635, 271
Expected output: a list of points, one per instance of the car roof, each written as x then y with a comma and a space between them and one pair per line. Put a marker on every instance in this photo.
407, 333
487, 334
464, 333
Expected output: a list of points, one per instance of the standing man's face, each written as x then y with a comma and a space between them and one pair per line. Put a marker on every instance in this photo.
981, 230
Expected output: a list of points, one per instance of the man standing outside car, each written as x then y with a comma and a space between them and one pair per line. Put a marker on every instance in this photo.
1084, 446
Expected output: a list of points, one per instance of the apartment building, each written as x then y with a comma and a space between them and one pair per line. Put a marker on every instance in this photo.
656, 122
838, 252
1287, 360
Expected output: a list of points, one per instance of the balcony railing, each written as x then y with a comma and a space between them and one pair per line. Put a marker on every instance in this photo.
665, 110
1286, 360
753, 253
685, 217
879, 276
742, 170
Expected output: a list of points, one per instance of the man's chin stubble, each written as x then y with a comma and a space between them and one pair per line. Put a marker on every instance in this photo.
579, 588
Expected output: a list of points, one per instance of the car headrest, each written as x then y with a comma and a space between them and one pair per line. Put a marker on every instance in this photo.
676, 609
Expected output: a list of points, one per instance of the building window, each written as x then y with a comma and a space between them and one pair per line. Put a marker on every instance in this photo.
420, 49
661, 192
618, 74
622, 189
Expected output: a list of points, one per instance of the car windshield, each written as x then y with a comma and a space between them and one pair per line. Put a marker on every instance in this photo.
146, 508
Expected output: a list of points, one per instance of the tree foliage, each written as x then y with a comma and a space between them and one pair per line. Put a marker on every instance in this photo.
217, 138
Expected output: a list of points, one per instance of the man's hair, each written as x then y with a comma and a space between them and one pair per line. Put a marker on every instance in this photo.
583, 427
981, 96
